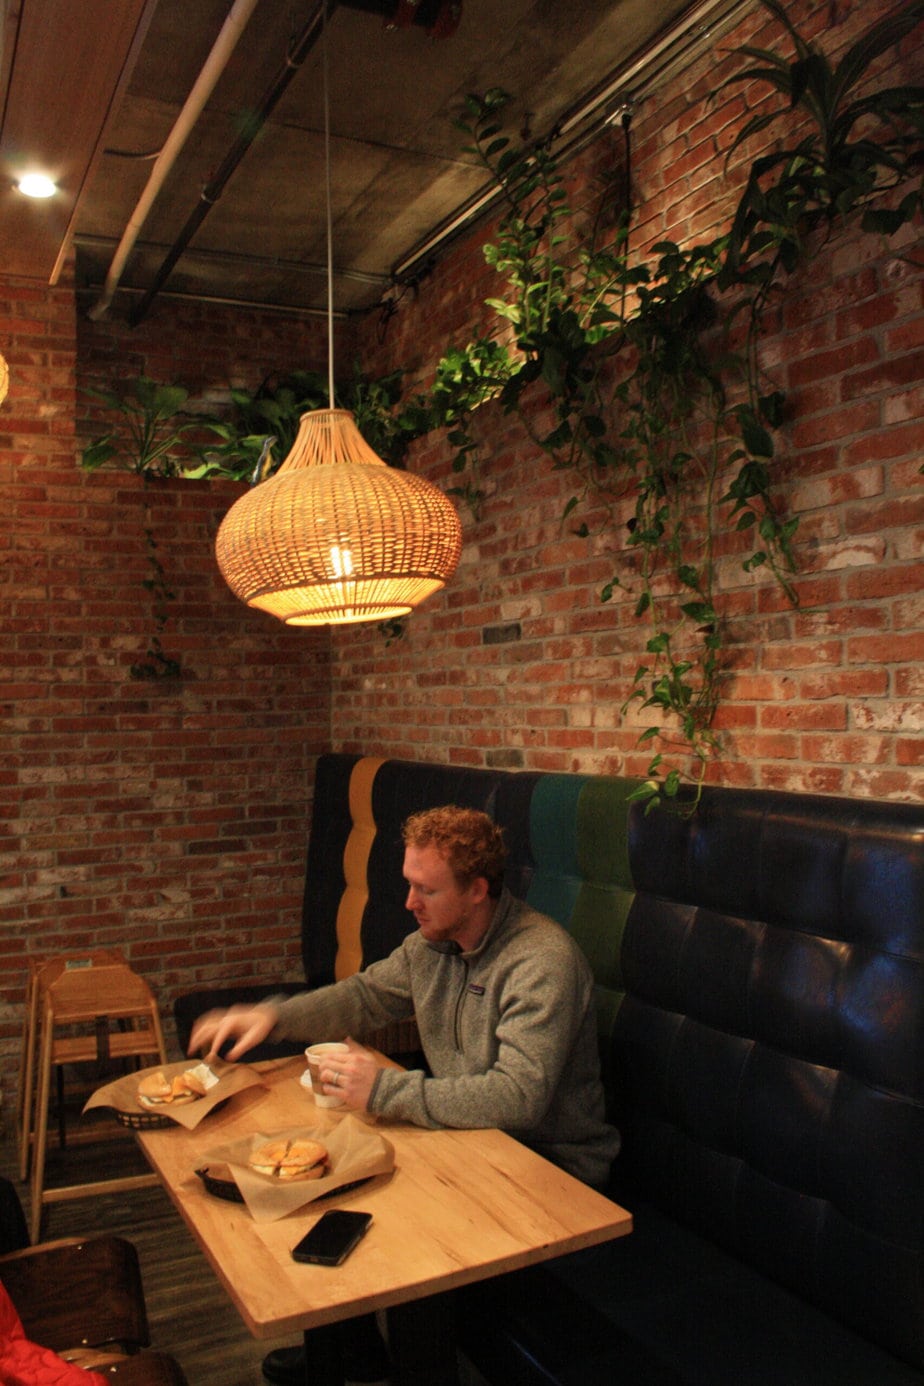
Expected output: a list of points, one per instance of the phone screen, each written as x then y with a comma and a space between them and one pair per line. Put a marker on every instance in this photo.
332, 1237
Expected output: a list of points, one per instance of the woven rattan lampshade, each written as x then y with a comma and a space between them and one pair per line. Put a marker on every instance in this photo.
336, 536
4, 379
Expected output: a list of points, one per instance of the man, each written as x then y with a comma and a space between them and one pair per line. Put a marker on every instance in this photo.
502, 996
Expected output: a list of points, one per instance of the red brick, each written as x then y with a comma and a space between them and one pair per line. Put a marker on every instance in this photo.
884, 649
909, 750
802, 656
804, 716
847, 683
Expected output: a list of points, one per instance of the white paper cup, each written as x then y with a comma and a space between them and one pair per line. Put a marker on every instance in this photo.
315, 1054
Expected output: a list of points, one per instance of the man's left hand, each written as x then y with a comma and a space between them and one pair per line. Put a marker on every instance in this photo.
350, 1075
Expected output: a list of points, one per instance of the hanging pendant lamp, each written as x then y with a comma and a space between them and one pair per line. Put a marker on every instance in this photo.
336, 536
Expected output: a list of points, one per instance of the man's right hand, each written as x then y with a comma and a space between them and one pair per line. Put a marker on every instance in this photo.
246, 1025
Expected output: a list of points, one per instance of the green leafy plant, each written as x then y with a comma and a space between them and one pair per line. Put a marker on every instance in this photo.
153, 431
465, 378
656, 402
855, 145
258, 434
374, 405
575, 305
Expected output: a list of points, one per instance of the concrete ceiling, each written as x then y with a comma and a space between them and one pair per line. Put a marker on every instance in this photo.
231, 205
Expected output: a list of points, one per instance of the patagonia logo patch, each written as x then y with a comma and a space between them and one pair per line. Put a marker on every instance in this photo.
475, 989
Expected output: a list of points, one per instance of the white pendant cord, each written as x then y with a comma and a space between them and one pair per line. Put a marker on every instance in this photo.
330, 236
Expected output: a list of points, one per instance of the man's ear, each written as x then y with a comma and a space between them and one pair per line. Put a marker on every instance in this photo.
479, 889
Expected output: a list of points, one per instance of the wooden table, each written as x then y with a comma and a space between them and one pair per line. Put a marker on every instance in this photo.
460, 1206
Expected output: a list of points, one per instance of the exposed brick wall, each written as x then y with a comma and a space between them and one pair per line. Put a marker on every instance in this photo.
518, 662
168, 817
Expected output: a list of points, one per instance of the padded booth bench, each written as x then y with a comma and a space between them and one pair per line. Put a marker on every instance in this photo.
760, 984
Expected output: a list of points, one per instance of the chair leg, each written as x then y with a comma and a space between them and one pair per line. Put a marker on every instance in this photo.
59, 1092
158, 1032
41, 1131
27, 1075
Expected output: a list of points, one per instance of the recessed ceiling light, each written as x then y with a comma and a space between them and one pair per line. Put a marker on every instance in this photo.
36, 185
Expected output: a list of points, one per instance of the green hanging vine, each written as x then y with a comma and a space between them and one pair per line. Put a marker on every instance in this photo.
659, 400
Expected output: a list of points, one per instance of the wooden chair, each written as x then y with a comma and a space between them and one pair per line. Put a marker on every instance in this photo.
84, 1299
90, 1014
41, 972
79, 1293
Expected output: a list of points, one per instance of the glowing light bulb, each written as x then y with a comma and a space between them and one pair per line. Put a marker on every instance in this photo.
341, 560
36, 185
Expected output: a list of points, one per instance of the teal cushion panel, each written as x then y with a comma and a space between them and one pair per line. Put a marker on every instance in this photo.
578, 840
553, 842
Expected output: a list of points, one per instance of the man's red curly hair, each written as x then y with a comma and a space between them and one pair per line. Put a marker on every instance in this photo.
470, 841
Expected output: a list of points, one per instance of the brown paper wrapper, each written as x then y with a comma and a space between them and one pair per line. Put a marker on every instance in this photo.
355, 1153
122, 1095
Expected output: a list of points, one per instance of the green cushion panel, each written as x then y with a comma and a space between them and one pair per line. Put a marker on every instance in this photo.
597, 923
605, 895
603, 831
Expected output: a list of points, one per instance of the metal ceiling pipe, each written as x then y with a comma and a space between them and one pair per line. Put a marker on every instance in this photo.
203, 87
298, 51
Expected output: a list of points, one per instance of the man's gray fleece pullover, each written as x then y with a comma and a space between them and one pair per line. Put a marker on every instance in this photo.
508, 1029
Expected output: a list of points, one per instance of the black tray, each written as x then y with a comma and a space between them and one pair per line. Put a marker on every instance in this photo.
228, 1189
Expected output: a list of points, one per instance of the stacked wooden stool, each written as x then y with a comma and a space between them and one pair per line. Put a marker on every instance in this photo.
79, 1009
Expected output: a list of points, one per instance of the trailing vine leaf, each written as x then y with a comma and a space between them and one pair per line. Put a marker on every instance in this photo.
465, 378
156, 663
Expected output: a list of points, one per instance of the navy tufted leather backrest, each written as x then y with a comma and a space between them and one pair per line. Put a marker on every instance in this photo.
324, 876
770, 1045
361, 805
401, 788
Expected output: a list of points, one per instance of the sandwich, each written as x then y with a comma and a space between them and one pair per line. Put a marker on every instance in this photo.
157, 1090
301, 1158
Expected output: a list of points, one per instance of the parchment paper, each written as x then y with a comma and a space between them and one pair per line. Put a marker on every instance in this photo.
355, 1153
122, 1095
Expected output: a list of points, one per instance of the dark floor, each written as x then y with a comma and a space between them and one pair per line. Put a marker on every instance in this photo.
190, 1315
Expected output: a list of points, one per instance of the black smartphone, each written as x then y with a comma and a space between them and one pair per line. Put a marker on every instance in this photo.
332, 1237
